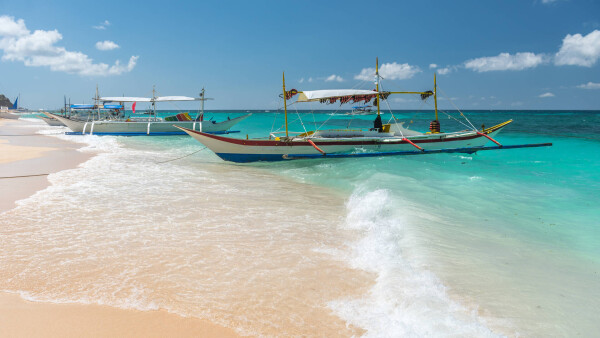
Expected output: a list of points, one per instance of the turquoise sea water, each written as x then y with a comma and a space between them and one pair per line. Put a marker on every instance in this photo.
501, 242
516, 231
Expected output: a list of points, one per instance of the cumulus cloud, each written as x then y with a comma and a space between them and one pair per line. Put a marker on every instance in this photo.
589, 85
579, 50
445, 70
38, 49
548, 94
505, 61
432, 66
334, 77
391, 71
106, 45
102, 26
546, 2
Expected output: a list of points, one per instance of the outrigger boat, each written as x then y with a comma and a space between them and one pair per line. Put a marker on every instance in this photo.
381, 140
109, 119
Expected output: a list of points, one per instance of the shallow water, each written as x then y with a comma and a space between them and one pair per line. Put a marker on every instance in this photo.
498, 243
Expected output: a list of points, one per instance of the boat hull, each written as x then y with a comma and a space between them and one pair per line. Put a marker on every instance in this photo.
242, 151
145, 128
52, 121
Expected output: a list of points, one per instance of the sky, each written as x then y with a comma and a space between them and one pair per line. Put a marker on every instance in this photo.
505, 54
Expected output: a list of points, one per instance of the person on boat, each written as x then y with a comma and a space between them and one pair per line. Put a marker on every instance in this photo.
377, 124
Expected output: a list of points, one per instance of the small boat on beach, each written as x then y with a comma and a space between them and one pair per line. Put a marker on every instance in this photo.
109, 119
381, 140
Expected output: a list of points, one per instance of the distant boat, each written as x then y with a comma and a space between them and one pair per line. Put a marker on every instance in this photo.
381, 140
362, 110
115, 123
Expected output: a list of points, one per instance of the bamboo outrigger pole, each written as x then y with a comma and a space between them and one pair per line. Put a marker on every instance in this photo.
285, 106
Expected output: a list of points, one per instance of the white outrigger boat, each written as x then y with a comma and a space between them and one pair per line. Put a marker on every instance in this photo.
117, 124
382, 140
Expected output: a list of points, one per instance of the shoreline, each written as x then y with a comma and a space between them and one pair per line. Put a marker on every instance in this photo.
22, 153
28, 153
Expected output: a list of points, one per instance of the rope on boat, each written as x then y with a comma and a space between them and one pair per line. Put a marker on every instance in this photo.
175, 159
24, 176
461, 113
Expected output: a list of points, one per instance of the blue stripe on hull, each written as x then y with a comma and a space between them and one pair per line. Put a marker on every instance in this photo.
245, 158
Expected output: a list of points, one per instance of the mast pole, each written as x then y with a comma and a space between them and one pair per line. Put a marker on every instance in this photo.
97, 100
285, 107
202, 103
435, 96
377, 84
154, 100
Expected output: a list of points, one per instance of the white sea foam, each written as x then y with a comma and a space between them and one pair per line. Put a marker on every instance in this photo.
406, 300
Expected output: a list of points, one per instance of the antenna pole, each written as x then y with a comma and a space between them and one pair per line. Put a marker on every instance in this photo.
285, 106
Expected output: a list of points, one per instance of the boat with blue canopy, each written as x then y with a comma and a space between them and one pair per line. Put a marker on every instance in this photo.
107, 118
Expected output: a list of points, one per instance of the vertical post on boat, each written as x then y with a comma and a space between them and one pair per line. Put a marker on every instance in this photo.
435, 95
154, 100
377, 83
202, 97
285, 106
434, 126
97, 101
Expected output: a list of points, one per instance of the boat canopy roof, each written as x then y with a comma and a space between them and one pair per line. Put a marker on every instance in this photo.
83, 106
316, 95
148, 99
93, 106
125, 99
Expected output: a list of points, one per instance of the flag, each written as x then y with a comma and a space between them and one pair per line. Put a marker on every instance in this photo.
133, 107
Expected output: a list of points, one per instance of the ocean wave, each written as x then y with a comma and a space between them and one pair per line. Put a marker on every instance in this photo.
405, 300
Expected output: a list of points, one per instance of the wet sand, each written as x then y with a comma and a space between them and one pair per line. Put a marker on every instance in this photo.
24, 153
21, 318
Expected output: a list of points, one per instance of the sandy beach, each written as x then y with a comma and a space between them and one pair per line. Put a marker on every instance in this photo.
24, 153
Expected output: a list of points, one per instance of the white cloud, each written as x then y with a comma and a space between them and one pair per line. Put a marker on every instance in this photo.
433, 65
445, 70
310, 79
102, 26
589, 85
578, 50
38, 49
334, 77
391, 71
548, 94
549, 1
106, 45
10, 27
301, 80
505, 61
